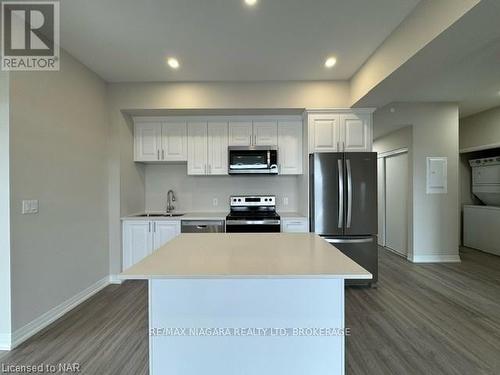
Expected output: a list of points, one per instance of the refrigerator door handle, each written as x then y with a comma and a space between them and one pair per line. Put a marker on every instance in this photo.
346, 240
341, 193
349, 193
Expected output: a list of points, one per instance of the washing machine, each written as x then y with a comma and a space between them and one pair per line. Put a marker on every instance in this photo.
482, 222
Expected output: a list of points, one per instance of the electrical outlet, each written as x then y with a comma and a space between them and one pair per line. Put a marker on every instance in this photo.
215, 202
285, 201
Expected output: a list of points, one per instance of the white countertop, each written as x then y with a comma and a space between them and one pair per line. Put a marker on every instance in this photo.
202, 216
185, 216
247, 255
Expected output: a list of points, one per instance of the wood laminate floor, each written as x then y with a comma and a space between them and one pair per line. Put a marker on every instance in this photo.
422, 319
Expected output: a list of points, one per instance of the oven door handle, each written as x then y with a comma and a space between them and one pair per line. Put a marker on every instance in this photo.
253, 222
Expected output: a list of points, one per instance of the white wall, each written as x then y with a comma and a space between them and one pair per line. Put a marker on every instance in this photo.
196, 193
127, 179
435, 216
5, 297
58, 156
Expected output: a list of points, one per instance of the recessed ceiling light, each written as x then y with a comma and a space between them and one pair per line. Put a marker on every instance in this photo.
330, 62
173, 63
250, 3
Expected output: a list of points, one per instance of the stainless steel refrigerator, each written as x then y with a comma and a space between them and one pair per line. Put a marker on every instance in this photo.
343, 205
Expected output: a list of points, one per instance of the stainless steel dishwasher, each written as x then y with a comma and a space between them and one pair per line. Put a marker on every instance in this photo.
202, 226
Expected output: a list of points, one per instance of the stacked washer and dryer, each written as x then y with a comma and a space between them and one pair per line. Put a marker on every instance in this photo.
482, 222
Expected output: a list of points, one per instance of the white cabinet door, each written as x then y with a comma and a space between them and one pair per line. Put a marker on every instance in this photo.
147, 141
165, 231
197, 148
356, 129
217, 148
137, 241
295, 225
265, 133
174, 141
290, 147
325, 133
240, 133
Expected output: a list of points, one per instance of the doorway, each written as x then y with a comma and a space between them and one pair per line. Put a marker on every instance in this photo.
393, 200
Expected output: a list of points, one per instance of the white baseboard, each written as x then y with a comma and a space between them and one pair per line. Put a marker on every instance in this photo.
5, 341
113, 279
436, 258
55, 313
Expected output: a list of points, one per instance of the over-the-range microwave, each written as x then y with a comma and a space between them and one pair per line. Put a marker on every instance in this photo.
253, 160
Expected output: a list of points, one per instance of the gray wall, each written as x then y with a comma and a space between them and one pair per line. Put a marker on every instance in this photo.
127, 187
480, 131
5, 299
435, 216
195, 193
58, 155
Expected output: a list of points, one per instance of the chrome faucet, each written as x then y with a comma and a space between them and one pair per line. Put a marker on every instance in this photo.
170, 199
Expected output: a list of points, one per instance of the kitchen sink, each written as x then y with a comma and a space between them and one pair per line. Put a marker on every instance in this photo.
159, 215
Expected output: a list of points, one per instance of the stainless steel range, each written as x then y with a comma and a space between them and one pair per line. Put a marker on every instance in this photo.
253, 213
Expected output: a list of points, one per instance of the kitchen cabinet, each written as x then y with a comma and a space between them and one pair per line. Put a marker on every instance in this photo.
349, 131
240, 133
156, 141
141, 237
290, 155
295, 224
207, 148
265, 133
147, 141
356, 131
253, 133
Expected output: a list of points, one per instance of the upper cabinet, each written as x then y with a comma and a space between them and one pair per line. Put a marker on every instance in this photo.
253, 133
290, 153
207, 148
349, 131
156, 141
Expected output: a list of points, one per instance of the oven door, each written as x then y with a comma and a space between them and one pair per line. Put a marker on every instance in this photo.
253, 226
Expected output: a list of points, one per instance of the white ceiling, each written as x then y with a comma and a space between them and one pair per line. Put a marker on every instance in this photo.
224, 40
461, 65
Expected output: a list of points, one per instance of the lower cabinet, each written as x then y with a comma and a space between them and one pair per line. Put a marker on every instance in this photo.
141, 238
295, 225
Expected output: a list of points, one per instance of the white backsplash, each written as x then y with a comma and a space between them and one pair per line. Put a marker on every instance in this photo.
196, 193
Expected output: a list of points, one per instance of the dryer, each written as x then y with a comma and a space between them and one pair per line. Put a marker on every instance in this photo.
481, 222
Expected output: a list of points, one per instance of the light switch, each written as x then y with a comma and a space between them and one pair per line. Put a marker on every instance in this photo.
29, 206
25, 207
34, 206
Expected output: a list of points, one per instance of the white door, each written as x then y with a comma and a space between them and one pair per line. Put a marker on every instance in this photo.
165, 231
137, 241
147, 141
356, 132
381, 200
396, 203
174, 141
290, 147
240, 133
265, 133
197, 148
217, 148
325, 133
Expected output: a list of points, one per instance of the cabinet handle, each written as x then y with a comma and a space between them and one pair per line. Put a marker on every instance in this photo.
158, 152
149, 227
163, 154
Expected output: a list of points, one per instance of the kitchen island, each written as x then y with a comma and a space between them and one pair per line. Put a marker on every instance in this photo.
233, 303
